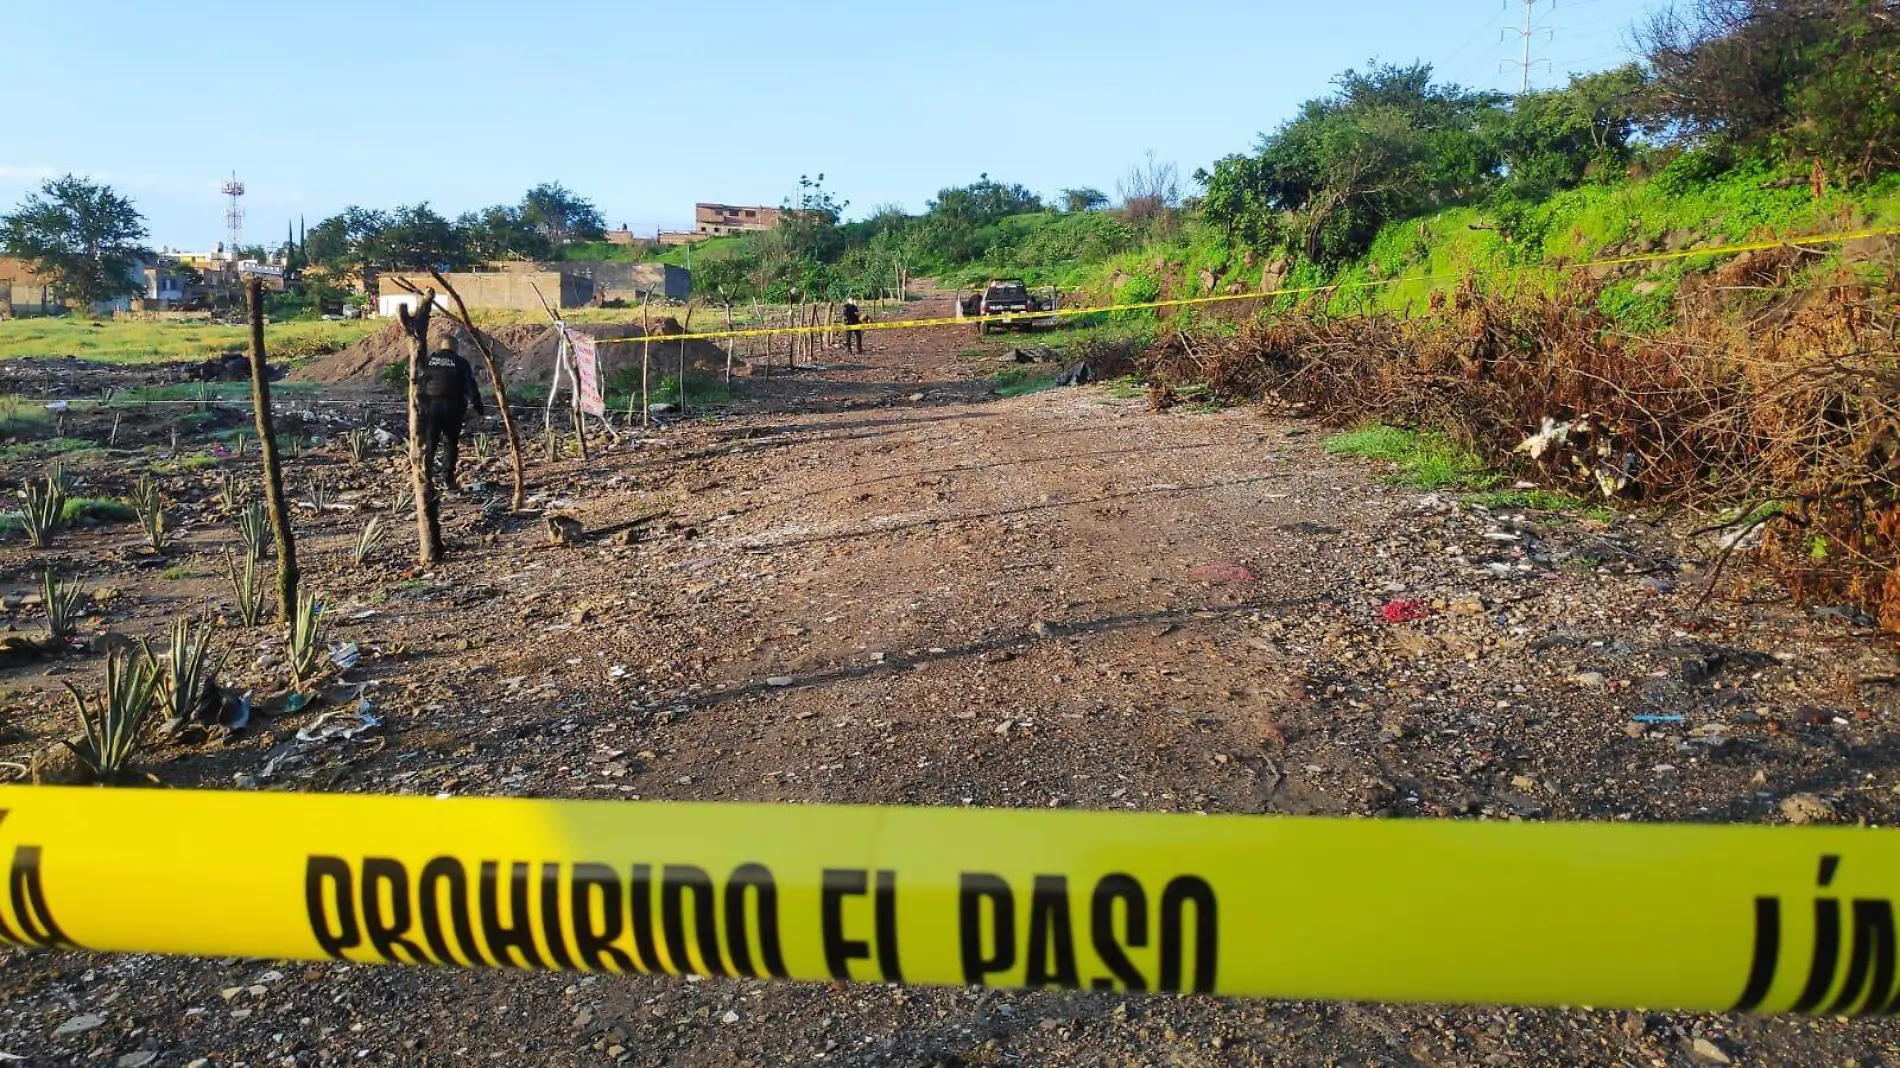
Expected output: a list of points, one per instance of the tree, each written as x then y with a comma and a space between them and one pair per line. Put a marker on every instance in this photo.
1083, 198
1388, 143
1149, 188
561, 215
1804, 77
1549, 140
344, 244
809, 221
82, 236
502, 232
419, 239
960, 224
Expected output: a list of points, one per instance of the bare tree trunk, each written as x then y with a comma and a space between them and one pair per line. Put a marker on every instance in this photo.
428, 514
646, 360
500, 390
730, 343
267, 450
580, 417
685, 328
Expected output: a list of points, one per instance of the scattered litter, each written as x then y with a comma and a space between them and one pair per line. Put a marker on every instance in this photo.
57, 406
1405, 610
358, 721
1660, 717
779, 680
296, 701
344, 655
241, 718
1221, 572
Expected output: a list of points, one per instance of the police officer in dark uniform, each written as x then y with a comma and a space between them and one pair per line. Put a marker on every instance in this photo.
853, 326
446, 388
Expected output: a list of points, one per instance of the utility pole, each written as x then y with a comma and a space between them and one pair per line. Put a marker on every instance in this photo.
1528, 32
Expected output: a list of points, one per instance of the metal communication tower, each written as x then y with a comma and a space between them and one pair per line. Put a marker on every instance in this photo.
234, 215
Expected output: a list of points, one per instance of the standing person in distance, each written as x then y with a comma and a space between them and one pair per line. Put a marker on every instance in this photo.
446, 389
853, 326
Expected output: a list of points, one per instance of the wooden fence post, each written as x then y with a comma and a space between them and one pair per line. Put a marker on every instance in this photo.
267, 450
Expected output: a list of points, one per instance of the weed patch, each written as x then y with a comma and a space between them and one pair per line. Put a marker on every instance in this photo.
1018, 381
1425, 460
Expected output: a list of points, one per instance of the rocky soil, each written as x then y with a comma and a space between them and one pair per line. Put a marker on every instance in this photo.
1059, 599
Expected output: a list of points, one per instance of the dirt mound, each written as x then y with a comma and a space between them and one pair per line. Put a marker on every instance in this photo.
527, 352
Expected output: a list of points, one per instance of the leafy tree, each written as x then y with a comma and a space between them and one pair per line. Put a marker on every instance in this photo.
1805, 77
1083, 198
418, 238
502, 232
82, 236
1389, 143
808, 224
561, 215
958, 227
344, 244
1549, 140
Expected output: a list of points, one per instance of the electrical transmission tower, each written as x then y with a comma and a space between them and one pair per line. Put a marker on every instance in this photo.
1529, 32
234, 214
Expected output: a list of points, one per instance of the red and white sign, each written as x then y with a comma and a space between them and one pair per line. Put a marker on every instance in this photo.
587, 371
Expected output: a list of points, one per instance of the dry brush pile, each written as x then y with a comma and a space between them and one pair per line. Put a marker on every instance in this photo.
1785, 410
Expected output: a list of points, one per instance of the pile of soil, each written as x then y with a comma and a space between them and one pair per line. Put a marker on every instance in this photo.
526, 351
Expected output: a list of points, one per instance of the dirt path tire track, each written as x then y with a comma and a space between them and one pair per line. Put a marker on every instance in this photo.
996, 603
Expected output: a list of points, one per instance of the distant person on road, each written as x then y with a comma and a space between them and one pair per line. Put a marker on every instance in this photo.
853, 326
445, 387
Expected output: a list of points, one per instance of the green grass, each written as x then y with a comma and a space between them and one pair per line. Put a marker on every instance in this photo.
1424, 460
700, 390
98, 509
180, 571
1542, 500
1127, 387
1018, 381
28, 450
213, 392
125, 341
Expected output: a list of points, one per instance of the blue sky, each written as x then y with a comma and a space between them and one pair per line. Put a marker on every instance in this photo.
646, 108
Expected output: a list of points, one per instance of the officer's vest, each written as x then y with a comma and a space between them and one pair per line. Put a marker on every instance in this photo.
441, 377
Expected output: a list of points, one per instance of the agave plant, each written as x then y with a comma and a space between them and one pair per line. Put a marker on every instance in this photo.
150, 507
44, 504
113, 727
229, 490
304, 641
483, 446
62, 602
254, 527
245, 589
239, 444
187, 673
367, 539
320, 496
358, 442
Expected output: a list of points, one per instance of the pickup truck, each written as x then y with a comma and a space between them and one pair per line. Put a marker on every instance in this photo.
1011, 297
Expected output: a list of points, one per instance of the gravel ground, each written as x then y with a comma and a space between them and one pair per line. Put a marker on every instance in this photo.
1056, 600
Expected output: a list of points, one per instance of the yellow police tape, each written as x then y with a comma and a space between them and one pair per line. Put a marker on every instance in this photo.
1834, 238
1652, 916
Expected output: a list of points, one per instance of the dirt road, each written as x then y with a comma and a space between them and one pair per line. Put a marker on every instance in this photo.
1056, 600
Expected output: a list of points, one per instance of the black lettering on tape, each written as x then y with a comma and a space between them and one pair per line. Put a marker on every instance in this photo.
1050, 957
386, 911
1183, 891
444, 883
973, 890
517, 934
837, 884
1869, 980
329, 890
885, 904
1109, 942
594, 902
551, 928
28, 895
640, 907
677, 882
757, 879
